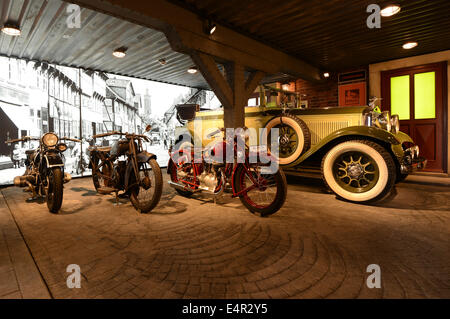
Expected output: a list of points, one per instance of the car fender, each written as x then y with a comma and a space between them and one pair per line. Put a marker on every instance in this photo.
354, 131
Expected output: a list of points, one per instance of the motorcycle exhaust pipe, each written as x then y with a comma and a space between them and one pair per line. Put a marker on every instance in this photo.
67, 177
181, 187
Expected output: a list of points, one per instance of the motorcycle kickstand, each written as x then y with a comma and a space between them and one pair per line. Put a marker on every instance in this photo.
117, 198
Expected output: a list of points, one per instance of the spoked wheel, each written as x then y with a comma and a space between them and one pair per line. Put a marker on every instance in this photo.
102, 174
54, 189
263, 192
359, 171
147, 194
294, 137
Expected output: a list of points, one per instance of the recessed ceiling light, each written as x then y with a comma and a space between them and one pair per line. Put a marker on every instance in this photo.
11, 29
162, 61
326, 75
209, 27
390, 10
192, 70
409, 45
120, 52
213, 29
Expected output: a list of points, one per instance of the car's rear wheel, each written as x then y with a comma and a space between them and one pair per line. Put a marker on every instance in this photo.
359, 171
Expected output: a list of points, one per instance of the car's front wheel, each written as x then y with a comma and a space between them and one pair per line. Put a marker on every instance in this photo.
359, 171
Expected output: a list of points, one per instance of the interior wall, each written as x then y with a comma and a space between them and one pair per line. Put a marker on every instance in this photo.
375, 79
323, 94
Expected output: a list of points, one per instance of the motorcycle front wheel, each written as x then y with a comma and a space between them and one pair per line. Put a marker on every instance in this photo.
262, 192
54, 190
147, 194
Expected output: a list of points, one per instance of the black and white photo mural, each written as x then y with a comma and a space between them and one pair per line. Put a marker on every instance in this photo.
36, 98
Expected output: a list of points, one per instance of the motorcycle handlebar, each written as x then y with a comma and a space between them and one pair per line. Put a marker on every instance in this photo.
70, 139
126, 134
23, 139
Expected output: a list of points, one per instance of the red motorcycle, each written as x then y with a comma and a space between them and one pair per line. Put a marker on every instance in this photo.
260, 188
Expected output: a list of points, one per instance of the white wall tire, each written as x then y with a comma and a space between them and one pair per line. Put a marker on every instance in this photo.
303, 137
359, 189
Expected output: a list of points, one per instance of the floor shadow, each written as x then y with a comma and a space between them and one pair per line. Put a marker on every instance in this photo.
308, 184
88, 192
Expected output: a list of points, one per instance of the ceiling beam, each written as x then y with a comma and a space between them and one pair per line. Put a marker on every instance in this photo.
185, 32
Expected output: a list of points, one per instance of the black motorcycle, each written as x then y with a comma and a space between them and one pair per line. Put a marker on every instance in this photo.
127, 167
44, 173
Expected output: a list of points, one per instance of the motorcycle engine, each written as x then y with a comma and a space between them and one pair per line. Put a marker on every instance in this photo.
208, 179
119, 173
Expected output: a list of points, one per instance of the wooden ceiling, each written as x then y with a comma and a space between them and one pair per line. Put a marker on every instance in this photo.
333, 34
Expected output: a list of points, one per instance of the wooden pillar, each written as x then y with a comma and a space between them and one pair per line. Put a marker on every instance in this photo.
232, 88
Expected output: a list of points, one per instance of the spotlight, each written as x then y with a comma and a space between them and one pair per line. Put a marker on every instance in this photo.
192, 70
326, 75
120, 52
390, 10
409, 45
11, 29
162, 61
209, 27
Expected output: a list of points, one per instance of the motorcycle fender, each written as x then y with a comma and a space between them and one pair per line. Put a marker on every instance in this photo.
170, 165
128, 173
233, 183
53, 161
143, 157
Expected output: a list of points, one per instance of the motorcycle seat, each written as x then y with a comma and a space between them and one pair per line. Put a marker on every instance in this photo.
100, 148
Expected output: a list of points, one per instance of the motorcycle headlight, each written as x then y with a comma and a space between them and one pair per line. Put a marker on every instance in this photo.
395, 124
50, 139
384, 121
62, 147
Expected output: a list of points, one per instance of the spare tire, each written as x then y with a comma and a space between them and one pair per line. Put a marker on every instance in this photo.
294, 137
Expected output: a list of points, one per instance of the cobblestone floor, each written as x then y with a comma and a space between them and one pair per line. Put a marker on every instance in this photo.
315, 247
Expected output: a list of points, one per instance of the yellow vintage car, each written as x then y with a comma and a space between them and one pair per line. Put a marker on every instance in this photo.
359, 151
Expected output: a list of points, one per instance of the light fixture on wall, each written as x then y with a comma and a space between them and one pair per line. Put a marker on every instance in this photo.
326, 75
285, 87
390, 10
11, 29
120, 52
409, 45
192, 70
209, 27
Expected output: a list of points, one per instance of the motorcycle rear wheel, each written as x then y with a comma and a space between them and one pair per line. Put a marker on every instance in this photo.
145, 205
54, 194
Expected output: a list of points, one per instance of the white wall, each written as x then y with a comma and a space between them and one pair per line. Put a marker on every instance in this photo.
375, 78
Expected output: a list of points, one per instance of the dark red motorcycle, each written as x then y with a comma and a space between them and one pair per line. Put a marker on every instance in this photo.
260, 187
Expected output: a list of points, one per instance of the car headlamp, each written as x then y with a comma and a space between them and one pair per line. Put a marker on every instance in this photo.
50, 139
384, 121
395, 124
